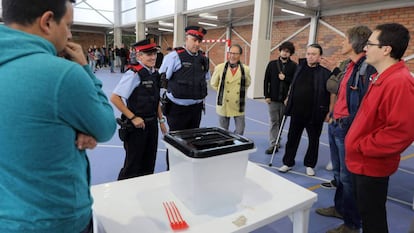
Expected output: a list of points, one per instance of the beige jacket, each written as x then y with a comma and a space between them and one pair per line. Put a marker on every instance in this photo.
231, 95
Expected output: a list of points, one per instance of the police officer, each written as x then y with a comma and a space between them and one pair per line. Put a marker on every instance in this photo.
186, 72
139, 87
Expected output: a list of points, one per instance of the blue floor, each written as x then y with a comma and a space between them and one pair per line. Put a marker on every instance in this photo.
107, 159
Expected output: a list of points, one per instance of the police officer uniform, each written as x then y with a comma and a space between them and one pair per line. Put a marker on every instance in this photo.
187, 74
139, 86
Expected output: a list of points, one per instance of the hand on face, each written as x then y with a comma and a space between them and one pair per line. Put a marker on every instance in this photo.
75, 53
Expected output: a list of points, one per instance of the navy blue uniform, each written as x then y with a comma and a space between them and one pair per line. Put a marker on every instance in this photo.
140, 87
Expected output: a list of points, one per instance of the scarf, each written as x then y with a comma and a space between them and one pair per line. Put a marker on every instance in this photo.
242, 87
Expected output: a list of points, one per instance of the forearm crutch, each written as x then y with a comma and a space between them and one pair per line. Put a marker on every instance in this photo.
279, 134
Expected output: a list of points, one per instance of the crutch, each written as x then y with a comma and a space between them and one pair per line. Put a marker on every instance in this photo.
279, 134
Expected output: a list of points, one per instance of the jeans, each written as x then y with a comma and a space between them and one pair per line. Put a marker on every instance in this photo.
239, 123
345, 202
334, 154
112, 65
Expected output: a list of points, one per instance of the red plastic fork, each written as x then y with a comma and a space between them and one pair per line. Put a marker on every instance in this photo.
174, 217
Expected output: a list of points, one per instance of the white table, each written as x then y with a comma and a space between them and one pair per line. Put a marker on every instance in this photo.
135, 205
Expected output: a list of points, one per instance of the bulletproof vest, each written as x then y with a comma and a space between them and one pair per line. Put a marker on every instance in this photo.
144, 99
189, 81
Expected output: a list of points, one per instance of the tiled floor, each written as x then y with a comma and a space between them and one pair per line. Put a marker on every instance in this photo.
107, 159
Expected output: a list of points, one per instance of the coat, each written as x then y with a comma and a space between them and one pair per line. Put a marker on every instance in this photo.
231, 95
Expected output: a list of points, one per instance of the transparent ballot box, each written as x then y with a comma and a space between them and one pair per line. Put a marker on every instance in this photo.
208, 167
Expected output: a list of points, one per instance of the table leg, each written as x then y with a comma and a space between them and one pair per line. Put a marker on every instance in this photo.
300, 220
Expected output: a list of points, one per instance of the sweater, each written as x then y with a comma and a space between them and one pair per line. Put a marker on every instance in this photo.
45, 101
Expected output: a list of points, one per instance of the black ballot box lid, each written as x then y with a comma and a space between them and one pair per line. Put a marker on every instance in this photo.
207, 142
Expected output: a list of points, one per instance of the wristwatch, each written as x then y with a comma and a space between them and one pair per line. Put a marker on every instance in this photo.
162, 120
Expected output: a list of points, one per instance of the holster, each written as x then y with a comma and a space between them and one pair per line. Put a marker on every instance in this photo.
125, 127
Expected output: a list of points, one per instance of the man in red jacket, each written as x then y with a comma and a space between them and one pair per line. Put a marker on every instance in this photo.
383, 126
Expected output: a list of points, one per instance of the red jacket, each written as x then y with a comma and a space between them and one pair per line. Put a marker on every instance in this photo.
384, 125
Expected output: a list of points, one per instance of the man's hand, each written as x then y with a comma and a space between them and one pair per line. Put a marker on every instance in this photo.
84, 141
75, 53
138, 122
330, 65
328, 118
268, 100
163, 128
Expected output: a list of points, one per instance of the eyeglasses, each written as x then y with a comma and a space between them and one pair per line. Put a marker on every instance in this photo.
230, 53
372, 44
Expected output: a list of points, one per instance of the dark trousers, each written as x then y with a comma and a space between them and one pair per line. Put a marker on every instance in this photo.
123, 64
182, 117
371, 196
141, 151
296, 127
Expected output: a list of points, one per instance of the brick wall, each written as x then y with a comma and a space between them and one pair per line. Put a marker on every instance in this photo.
329, 40
86, 39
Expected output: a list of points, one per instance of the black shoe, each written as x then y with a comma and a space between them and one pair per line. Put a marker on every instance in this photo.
329, 185
269, 150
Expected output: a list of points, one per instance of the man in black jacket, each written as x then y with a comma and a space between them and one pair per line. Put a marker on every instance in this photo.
278, 76
308, 106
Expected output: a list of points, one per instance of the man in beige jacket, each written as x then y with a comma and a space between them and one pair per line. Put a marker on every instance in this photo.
231, 80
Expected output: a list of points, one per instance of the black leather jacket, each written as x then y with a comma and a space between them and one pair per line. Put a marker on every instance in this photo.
321, 95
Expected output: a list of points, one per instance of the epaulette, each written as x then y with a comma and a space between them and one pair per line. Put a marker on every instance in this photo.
135, 67
179, 49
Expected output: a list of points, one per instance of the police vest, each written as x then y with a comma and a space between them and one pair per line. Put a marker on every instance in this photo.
189, 81
144, 99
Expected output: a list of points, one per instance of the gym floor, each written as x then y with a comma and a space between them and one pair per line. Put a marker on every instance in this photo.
107, 159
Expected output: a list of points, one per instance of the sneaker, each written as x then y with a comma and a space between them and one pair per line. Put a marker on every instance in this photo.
329, 185
269, 150
284, 169
310, 171
329, 166
343, 229
329, 212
